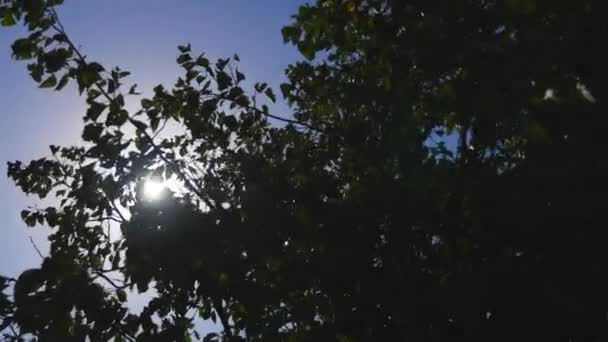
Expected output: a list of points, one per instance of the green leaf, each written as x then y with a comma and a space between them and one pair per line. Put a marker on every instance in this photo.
95, 110
56, 59
231, 122
92, 132
183, 58
122, 295
146, 103
117, 117
154, 122
133, 90
291, 34
221, 63
36, 71
86, 78
308, 50
23, 48
140, 125
8, 19
240, 76
111, 87
50, 82
185, 48
270, 95
65, 79
223, 80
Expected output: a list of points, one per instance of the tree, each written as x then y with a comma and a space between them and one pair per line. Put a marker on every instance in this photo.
355, 220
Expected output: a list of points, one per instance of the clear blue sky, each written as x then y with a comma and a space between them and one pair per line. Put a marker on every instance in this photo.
140, 36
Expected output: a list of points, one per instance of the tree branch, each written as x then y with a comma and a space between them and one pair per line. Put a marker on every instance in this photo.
223, 317
276, 117
110, 281
81, 58
36, 248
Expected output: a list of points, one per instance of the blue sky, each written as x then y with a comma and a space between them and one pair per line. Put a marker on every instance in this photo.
140, 36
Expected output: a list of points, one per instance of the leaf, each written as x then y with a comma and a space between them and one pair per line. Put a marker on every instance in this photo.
95, 110
36, 71
146, 103
291, 33
221, 63
65, 79
86, 78
223, 80
133, 90
185, 48
56, 59
286, 89
92, 132
211, 337
140, 125
95, 67
8, 19
117, 117
23, 49
183, 58
122, 295
308, 50
50, 82
231, 122
240, 76
111, 87
270, 95
154, 122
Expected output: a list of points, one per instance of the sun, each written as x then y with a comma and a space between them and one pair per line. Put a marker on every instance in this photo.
153, 189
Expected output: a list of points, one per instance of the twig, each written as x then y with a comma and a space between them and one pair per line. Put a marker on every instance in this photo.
223, 318
107, 218
276, 117
110, 281
81, 58
10, 326
36, 248
160, 129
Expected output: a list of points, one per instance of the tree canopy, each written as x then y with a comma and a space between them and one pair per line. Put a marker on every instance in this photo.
442, 178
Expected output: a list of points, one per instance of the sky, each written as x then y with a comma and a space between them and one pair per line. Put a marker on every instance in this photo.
140, 36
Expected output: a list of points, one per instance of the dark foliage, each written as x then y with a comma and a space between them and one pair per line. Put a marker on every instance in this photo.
353, 220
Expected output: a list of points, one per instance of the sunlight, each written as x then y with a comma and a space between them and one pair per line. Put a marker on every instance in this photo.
153, 189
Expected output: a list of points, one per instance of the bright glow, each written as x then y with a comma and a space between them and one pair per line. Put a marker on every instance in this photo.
153, 189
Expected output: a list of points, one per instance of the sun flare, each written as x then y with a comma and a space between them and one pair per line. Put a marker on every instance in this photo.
153, 189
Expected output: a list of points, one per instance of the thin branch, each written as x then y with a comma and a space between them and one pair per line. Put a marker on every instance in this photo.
60, 29
117, 211
182, 175
276, 117
112, 270
111, 282
160, 129
36, 248
223, 318
107, 218
15, 334
109, 231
